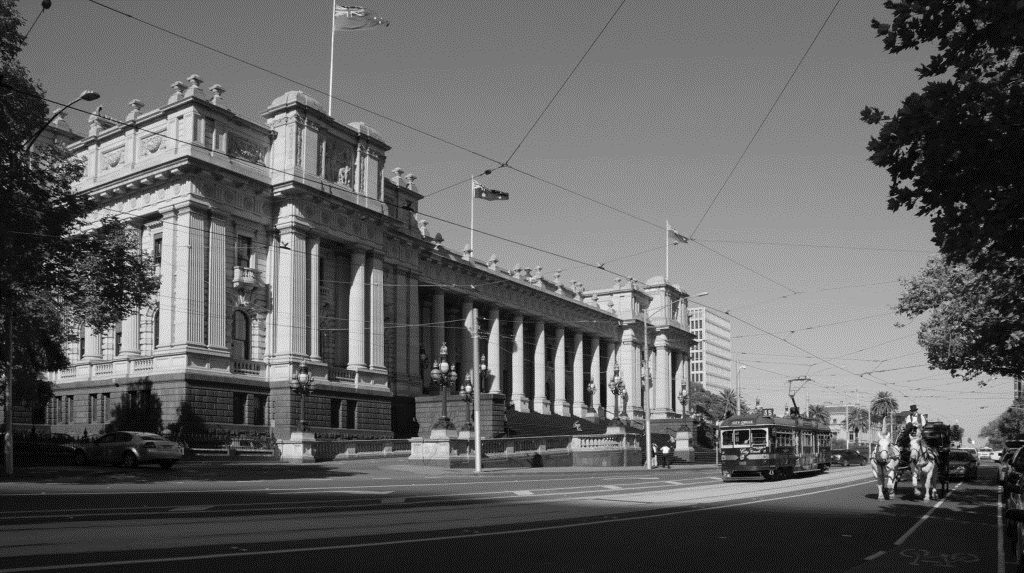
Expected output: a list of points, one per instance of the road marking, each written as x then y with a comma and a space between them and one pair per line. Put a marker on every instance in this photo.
613, 487
181, 508
523, 492
925, 516
332, 490
874, 556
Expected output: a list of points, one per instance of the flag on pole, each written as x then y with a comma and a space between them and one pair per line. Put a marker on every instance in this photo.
356, 18
674, 234
488, 194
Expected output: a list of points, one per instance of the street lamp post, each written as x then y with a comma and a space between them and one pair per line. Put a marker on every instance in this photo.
467, 394
8, 396
738, 372
443, 374
617, 387
87, 95
302, 384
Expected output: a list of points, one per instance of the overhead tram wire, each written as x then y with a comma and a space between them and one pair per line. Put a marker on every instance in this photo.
498, 164
294, 81
564, 82
760, 126
600, 266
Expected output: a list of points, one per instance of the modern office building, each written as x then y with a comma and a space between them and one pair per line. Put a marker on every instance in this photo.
711, 364
281, 243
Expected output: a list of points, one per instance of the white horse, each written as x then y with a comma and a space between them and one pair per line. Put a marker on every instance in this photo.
884, 458
923, 461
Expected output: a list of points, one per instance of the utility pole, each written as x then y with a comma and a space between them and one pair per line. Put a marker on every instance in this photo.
477, 457
644, 380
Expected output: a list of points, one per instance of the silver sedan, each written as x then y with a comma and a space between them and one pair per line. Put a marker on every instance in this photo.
129, 449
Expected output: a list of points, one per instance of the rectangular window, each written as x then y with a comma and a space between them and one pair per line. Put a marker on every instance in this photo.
158, 250
117, 342
335, 413
91, 413
104, 407
70, 400
209, 134
238, 408
243, 252
259, 409
350, 415
759, 437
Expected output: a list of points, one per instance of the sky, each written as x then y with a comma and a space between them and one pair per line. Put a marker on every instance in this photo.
736, 122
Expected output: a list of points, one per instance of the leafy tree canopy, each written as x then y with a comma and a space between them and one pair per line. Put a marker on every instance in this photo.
946, 147
973, 319
58, 269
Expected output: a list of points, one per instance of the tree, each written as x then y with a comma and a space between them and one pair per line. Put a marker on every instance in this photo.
882, 406
859, 420
139, 410
945, 149
59, 268
974, 318
1007, 426
818, 412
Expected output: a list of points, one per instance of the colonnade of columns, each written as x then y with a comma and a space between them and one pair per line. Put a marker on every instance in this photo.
577, 360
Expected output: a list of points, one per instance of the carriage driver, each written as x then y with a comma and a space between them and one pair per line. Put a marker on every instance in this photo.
911, 423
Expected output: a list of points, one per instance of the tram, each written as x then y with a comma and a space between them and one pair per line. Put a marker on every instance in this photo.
773, 447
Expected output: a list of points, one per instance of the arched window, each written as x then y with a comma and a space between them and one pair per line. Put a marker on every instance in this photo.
240, 333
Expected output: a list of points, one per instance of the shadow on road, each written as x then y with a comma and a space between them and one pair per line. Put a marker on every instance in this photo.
184, 471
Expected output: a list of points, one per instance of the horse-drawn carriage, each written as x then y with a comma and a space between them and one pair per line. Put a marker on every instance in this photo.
922, 451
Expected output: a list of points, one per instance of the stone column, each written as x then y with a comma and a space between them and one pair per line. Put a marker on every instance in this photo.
377, 314
519, 400
683, 380
629, 369
291, 295
662, 378
166, 303
439, 326
415, 342
403, 326
540, 401
560, 406
130, 335
190, 309
609, 372
579, 405
93, 345
356, 313
314, 298
494, 351
217, 338
595, 373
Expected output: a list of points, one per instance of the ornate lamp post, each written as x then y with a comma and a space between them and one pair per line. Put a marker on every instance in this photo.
444, 374
591, 389
467, 394
302, 384
618, 388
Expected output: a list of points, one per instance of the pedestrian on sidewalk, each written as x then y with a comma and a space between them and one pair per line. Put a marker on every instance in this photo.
666, 456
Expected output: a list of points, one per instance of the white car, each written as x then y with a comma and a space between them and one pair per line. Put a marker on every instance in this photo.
985, 453
974, 452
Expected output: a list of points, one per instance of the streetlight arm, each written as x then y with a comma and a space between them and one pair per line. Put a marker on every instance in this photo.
87, 95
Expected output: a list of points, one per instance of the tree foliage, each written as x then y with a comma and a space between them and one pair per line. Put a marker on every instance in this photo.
973, 319
139, 410
715, 406
58, 268
1009, 425
882, 406
818, 412
953, 153
947, 147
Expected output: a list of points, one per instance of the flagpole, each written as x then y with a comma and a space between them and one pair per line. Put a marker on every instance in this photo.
666, 252
472, 213
330, 87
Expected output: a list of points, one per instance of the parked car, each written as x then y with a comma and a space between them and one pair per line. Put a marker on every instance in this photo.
1004, 464
996, 455
848, 457
985, 453
962, 465
129, 449
1013, 488
974, 452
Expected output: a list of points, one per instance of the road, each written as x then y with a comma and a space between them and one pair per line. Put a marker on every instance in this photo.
398, 517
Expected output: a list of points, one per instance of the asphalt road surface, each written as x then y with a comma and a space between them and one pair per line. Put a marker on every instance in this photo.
399, 517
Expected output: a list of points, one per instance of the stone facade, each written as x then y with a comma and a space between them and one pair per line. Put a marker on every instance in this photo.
282, 242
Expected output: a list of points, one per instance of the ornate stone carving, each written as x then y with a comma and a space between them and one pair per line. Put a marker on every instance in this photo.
179, 92
492, 263
152, 144
136, 106
245, 150
112, 158
467, 253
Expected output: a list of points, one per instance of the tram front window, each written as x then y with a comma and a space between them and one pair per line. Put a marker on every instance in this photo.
742, 437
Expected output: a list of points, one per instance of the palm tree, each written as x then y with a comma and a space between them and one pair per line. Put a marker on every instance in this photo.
819, 413
882, 406
859, 420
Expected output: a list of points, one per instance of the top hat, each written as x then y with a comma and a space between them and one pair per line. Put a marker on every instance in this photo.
913, 407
